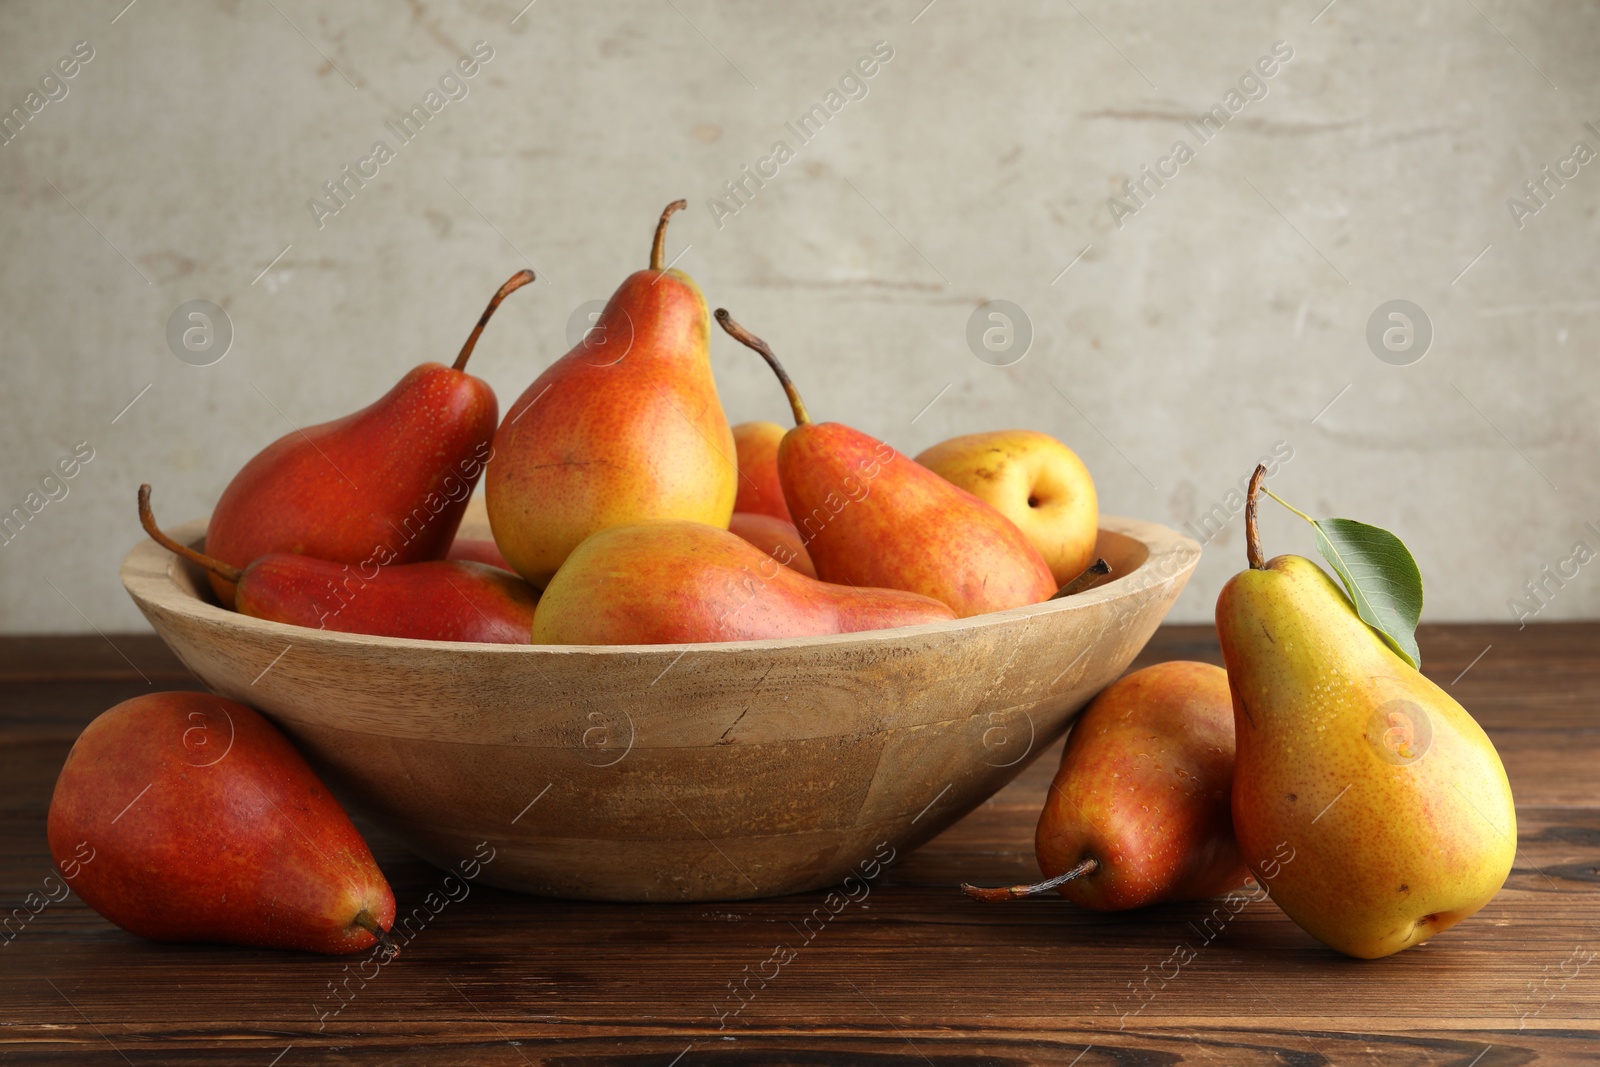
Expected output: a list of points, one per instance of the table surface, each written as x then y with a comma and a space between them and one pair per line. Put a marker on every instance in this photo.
914, 973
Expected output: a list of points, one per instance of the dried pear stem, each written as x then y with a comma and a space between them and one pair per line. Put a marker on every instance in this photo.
515, 282
750, 340
147, 519
1017, 892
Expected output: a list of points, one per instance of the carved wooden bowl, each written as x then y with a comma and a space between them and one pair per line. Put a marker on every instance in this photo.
676, 772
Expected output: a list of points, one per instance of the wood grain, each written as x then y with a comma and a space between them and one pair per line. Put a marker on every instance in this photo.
677, 772
911, 974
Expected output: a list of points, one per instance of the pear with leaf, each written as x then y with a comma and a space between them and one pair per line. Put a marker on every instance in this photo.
1392, 799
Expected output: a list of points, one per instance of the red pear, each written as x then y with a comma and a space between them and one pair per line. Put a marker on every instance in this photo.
1140, 809
776, 537
873, 517
760, 490
385, 485
478, 550
1035, 481
188, 817
679, 582
439, 600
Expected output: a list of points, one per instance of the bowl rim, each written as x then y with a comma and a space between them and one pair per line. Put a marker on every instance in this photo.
148, 572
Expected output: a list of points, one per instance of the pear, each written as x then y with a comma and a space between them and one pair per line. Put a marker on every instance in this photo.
387, 484
435, 600
477, 550
192, 818
1035, 481
625, 428
871, 516
776, 537
680, 582
1138, 811
1391, 801
760, 490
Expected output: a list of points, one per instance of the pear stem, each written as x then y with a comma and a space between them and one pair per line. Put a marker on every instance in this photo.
750, 340
1084, 580
1252, 536
365, 920
147, 519
658, 248
1016, 892
515, 282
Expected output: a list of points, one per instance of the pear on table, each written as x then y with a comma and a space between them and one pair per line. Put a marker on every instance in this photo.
386, 484
1138, 813
625, 428
189, 817
872, 517
1392, 798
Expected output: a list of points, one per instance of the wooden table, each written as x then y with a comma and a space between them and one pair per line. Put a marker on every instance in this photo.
914, 973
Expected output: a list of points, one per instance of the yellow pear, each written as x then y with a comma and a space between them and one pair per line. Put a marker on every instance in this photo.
625, 428
1035, 481
1389, 801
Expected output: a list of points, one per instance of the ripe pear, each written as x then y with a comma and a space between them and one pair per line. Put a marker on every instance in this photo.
436, 600
1035, 481
760, 490
192, 818
625, 428
776, 537
679, 582
477, 550
1392, 799
1138, 813
387, 484
871, 516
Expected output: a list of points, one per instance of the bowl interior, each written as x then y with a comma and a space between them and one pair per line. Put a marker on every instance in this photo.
1125, 554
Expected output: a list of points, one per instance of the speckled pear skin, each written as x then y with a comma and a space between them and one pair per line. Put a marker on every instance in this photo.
387, 484
1035, 481
679, 582
760, 490
194, 819
436, 600
1143, 789
776, 537
1392, 800
872, 516
625, 428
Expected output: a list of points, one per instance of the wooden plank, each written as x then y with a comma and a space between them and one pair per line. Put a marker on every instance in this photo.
913, 973
115, 656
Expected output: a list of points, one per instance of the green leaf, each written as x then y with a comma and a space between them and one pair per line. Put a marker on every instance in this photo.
1381, 577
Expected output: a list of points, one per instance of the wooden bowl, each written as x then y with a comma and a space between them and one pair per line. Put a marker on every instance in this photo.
676, 772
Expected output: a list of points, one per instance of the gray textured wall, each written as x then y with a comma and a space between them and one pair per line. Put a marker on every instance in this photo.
1206, 322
